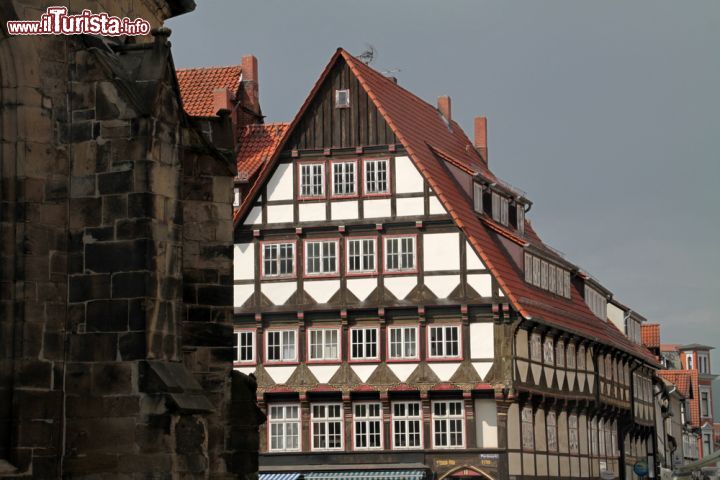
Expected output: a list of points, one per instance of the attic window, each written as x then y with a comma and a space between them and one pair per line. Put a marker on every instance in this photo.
547, 276
342, 98
596, 301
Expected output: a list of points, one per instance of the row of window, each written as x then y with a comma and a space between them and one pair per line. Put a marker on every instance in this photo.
323, 344
553, 353
596, 301
703, 362
344, 178
321, 256
498, 206
547, 276
327, 426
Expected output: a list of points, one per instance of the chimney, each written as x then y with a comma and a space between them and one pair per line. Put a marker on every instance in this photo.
249, 88
445, 107
481, 136
222, 102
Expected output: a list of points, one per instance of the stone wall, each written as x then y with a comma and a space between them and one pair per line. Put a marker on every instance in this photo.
116, 342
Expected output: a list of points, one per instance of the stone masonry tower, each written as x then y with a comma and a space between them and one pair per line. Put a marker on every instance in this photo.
116, 344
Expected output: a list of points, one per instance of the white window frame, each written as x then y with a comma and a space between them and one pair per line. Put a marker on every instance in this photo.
536, 348
573, 435
327, 420
520, 217
705, 412
570, 356
362, 255
527, 428
703, 363
549, 352
560, 353
347, 189
239, 335
323, 256
366, 421
443, 341
406, 420
324, 333
364, 343
478, 197
282, 346
448, 420
500, 209
551, 432
339, 93
279, 259
372, 187
236, 197
689, 361
311, 189
403, 329
286, 423
403, 256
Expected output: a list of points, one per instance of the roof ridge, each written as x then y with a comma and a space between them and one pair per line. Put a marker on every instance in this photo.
214, 67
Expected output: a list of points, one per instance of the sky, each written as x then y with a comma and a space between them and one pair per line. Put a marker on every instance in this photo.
606, 113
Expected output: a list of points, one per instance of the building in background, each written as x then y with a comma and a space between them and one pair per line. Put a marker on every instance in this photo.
404, 319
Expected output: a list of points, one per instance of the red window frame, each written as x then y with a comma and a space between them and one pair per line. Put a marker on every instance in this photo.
389, 178
392, 425
266, 345
311, 361
298, 172
254, 361
338, 257
375, 359
261, 254
444, 358
418, 340
368, 273
386, 271
382, 426
331, 174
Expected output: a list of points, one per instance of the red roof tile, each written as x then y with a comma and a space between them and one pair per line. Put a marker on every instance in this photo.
256, 145
650, 335
424, 132
686, 382
669, 347
197, 86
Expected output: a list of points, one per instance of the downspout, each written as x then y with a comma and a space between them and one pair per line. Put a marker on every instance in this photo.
628, 425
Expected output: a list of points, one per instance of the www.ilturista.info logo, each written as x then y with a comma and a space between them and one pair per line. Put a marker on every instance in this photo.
56, 21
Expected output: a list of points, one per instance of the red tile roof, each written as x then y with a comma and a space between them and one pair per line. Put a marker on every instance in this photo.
686, 382
256, 145
423, 132
197, 86
650, 335
670, 347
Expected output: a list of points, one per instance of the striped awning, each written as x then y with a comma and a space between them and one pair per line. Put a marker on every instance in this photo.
348, 475
280, 476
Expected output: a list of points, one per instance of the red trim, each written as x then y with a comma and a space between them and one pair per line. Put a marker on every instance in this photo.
375, 359
267, 430
422, 424
415, 254
352, 426
432, 425
261, 259
309, 361
414, 359
342, 427
388, 180
297, 346
430, 358
373, 273
246, 363
332, 179
334, 274
298, 173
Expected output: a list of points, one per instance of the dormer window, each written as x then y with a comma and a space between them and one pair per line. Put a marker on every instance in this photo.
500, 208
478, 197
547, 276
342, 98
597, 302
520, 217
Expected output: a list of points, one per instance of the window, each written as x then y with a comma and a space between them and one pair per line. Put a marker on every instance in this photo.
593, 432
284, 424
363, 343
520, 214
367, 418
344, 178
500, 208
596, 301
548, 352
573, 434
407, 425
327, 426
444, 341
704, 403
707, 444
528, 268
236, 197
245, 346
323, 344
581, 358
312, 180
544, 275
400, 254
571, 355
321, 257
547, 276
703, 364
281, 346
528, 435
342, 98
689, 361
278, 259
551, 427
361, 255
601, 435
478, 197
560, 354
448, 419
376, 176
403, 343
535, 347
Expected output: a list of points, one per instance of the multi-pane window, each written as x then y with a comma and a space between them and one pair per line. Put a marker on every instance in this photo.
593, 432
327, 426
571, 355
342, 98
284, 424
376, 176
478, 197
344, 178
361, 255
321, 257
535, 347
547, 276
444, 341
548, 352
500, 208
245, 345
448, 419
703, 363
528, 435
312, 179
281, 346
573, 437
400, 253
551, 428
520, 211
324, 344
704, 403
560, 354
278, 259
407, 425
596, 301
367, 420
581, 358
363, 343
403, 342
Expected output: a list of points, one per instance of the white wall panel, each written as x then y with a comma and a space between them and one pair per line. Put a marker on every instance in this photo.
361, 287
364, 371
280, 185
410, 207
244, 261
278, 292
407, 177
400, 286
312, 212
344, 210
378, 208
473, 261
402, 370
436, 207
481, 283
241, 293
616, 316
280, 214
441, 251
482, 340
323, 373
482, 368
442, 285
486, 423
245, 370
254, 217
444, 370
280, 374
321, 290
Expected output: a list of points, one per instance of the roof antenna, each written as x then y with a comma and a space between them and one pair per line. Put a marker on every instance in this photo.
368, 55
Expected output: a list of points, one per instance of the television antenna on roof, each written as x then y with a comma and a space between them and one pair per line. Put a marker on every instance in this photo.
368, 55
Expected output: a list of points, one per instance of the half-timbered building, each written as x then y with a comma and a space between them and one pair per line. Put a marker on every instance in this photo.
402, 316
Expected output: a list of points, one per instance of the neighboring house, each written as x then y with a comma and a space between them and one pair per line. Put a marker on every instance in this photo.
402, 317
680, 387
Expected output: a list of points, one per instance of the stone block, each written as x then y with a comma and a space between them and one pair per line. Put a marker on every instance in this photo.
115, 182
219, 295
84, 212
106, 316
133, 346
93, 347
130, 284
112, 378
89, 287
114, 207
206, 334
119, 256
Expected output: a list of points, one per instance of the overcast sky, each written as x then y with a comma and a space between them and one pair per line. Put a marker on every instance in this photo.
606, 113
